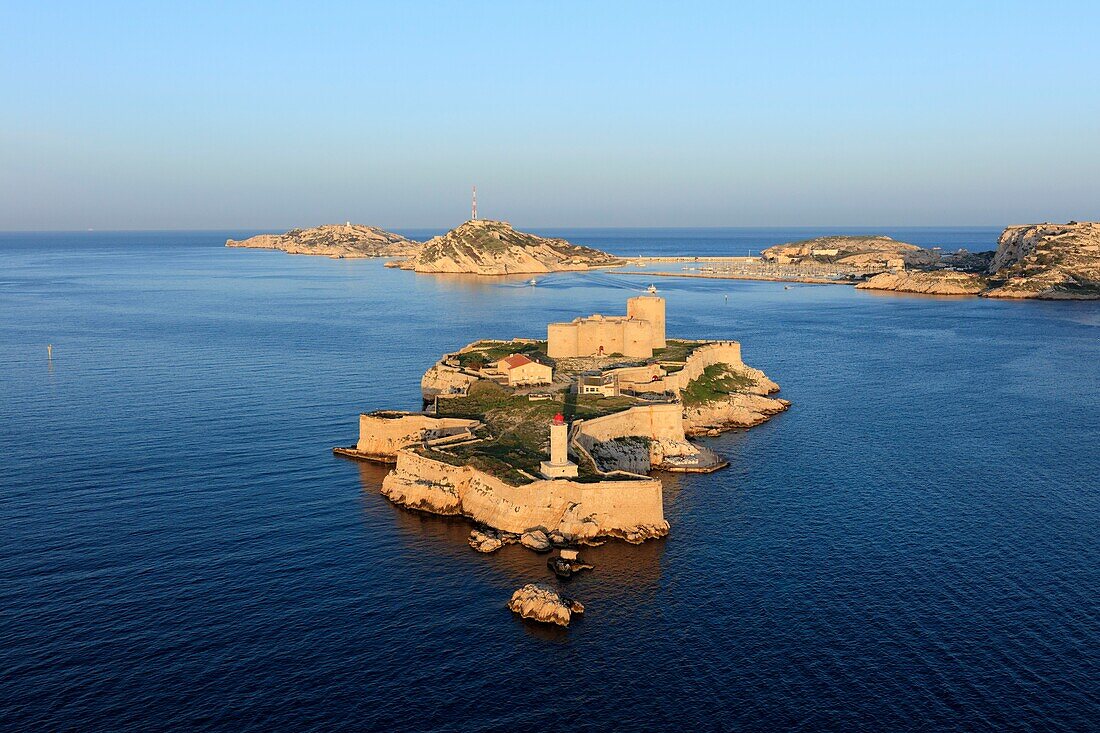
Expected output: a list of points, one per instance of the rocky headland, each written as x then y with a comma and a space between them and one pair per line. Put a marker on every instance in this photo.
1049, 261
484, 247
334, 240
1042, 261
933, 282
859, 252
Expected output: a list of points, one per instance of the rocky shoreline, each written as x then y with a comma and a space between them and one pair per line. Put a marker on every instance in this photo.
500, 451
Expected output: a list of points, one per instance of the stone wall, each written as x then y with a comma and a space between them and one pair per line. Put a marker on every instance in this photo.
662, 424
662, 421
722, 352
382, 435
606, 508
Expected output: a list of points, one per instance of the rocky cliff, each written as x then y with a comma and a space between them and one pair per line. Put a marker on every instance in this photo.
849, 251
937, 282
494, 248
1049, 261
334, 240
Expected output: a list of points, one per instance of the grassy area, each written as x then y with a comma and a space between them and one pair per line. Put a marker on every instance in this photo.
479, 357
715, 383
676, 350
519, 428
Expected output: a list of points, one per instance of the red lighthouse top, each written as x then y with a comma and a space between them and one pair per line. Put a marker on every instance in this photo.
559, 419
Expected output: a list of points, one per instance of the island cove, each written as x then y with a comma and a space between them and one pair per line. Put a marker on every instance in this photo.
1044, 261
553, 442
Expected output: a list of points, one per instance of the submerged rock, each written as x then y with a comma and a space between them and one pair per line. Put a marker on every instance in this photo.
567, 563
540, 603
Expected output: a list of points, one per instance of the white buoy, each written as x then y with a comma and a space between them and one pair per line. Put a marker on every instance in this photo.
49, 351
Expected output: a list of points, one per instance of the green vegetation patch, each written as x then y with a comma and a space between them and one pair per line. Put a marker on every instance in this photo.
717, 382
676, 350
493, 351
519, 429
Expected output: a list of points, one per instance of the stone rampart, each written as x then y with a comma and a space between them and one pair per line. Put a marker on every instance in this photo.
722, 352
382, 435
585, 510
662, 421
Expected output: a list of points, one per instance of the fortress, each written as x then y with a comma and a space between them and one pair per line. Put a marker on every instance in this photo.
569, 461
635, 335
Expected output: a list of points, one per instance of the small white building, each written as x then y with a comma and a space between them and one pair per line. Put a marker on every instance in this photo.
597, 383
523, 371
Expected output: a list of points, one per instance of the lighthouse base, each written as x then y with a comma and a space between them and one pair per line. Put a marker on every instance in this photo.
558, 470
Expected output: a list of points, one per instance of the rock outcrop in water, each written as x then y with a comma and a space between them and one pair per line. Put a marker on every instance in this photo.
1046, 261
334, 240
484, 247
540, 603
849, 252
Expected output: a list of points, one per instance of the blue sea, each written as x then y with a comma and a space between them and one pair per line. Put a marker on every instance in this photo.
915, 545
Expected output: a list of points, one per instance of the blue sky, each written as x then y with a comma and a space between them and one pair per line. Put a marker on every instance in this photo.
272, 115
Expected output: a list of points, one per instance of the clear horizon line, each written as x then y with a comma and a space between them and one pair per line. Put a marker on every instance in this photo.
525, 226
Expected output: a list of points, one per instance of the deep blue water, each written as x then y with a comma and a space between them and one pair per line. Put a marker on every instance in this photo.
915, 545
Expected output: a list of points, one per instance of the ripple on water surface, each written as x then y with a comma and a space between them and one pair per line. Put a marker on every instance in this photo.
912, 546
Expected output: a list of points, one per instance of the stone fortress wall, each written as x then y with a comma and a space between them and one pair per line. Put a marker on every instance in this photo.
637, 334
383, 434
720, 352
576, 509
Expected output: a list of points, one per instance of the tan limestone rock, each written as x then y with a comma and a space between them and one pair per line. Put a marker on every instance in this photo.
543, 604
334, 240
484, 247
932, 282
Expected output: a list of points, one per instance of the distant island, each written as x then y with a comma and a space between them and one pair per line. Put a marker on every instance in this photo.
1040, 261
551, 443
334, 240
1045, 261
486, 247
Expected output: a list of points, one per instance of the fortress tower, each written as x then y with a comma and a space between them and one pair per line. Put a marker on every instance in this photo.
650, 308
559, 465
636, 334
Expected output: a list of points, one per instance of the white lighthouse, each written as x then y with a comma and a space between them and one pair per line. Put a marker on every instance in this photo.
559, 465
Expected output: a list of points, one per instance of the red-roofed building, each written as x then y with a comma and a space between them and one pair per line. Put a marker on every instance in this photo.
524, 371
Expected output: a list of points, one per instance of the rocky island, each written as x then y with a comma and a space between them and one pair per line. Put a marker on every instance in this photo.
485, 247
850, 252
334, 240
550, 443
1045, 261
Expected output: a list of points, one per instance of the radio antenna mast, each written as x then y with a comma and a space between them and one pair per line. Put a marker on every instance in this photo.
473, 206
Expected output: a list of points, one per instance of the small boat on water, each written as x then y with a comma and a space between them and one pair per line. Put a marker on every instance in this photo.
532, 282
652, 289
